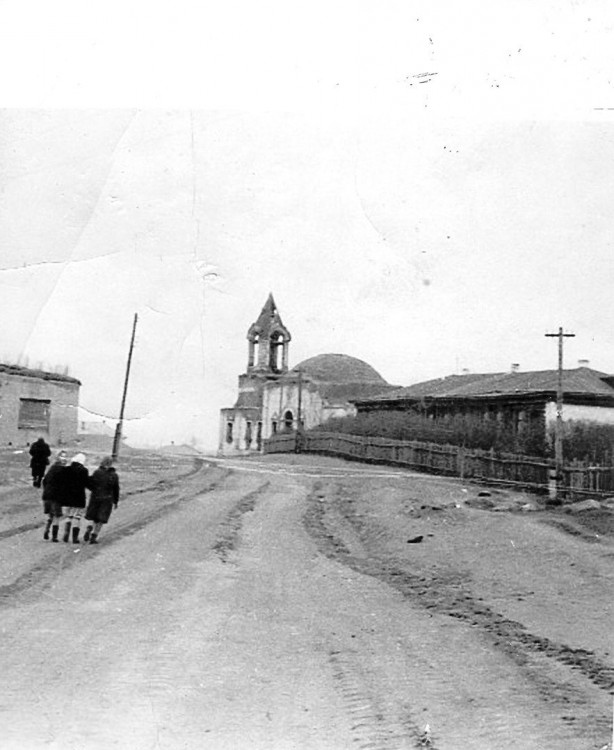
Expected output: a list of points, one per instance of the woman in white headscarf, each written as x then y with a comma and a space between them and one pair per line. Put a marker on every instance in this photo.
76, 481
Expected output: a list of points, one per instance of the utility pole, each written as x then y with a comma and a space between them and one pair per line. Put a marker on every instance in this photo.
118, 429
558, 427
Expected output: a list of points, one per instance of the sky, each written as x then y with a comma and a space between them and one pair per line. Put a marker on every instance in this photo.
426, 186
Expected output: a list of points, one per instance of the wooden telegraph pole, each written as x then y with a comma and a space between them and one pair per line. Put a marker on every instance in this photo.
558, 427
118, 429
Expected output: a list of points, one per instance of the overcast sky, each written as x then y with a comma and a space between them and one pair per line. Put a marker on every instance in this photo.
426, 186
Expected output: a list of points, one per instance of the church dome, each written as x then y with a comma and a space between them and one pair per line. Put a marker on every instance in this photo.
339, 368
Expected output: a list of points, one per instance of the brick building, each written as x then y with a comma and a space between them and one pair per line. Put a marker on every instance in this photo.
34, 403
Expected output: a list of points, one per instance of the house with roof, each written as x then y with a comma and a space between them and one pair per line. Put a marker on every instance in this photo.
35, 403
517, 400
273, 398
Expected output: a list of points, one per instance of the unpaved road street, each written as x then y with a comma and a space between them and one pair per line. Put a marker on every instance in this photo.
277, 603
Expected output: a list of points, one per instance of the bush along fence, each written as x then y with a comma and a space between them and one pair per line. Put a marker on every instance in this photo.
579, 480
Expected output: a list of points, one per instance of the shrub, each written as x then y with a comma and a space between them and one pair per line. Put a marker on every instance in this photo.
587, 441
468, 431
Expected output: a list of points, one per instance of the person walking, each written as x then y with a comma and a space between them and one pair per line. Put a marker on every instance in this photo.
77, 480
104, 486
40, 452
53, 492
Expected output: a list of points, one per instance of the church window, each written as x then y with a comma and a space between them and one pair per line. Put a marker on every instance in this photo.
288, 420
274, 426
276, 345
253, 350
259, 436
248, 434
229, 432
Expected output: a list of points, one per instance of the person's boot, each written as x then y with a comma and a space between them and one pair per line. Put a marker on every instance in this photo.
94, 539
75, 535
88, 531
54, 533
67, 526
47, 527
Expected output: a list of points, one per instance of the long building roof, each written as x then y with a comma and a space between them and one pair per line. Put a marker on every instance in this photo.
580, 381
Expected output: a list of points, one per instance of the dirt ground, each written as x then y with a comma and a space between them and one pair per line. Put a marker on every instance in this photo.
303, 602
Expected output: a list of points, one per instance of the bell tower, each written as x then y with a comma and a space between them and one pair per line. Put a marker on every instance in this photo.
268, 341
241, 426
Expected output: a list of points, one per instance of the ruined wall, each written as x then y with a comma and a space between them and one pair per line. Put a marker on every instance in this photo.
243, 433
63, 397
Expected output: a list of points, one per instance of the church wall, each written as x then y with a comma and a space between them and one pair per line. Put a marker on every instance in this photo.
242, 437
283, 397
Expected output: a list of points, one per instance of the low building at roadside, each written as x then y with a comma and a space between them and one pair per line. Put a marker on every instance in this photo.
517, 400
35, 403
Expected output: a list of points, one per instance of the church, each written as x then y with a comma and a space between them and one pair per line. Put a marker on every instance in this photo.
273, 398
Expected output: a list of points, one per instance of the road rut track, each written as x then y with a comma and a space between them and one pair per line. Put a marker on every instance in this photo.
446, 595
33, 582
20, 529
230, 529
373, 725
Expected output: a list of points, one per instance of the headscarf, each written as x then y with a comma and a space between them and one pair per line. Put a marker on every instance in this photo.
78, 459
106, 463
60, 456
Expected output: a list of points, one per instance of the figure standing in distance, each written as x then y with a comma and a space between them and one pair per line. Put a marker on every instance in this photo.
77, 479
53, 492
104, 484
40, 452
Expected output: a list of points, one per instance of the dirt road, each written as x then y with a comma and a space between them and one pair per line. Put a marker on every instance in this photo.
278, 604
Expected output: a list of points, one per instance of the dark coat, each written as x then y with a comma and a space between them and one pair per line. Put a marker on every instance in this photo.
76, 480
54, 483
40, 453
104, 484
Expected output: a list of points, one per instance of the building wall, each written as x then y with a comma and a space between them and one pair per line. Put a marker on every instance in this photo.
599, 414
284, 397
244, 423
63, 417
337, 411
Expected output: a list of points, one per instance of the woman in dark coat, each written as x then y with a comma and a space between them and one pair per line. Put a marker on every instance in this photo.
76, 480
40, 452
104, 484
53, 494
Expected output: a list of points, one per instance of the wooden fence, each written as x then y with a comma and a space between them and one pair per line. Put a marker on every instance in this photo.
524, 472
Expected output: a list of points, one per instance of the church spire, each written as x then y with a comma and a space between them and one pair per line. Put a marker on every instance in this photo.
267, 337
